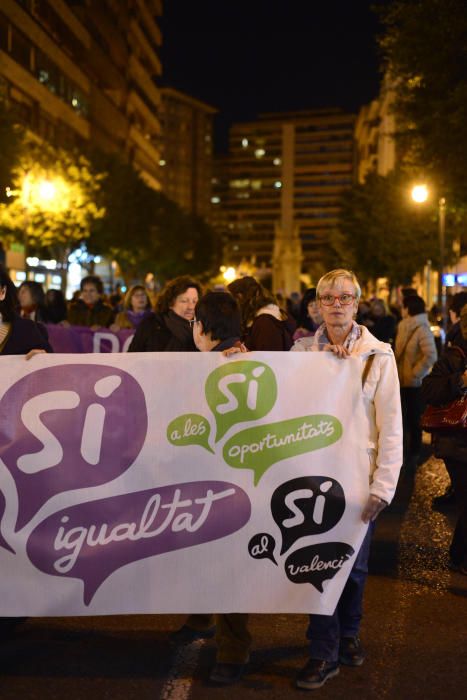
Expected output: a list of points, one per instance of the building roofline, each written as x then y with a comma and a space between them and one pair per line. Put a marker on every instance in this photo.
183, 97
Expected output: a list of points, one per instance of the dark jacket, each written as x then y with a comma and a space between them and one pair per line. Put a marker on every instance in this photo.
80, 314
26, 335
268, 333
454, 334
154, 335
443, 385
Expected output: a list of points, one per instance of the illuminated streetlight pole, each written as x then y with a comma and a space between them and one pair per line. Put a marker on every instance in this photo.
420, 195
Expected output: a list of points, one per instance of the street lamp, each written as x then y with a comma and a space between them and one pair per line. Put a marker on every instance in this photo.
420, 194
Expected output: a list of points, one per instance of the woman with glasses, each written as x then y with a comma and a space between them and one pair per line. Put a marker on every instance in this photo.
334, 638
170, 328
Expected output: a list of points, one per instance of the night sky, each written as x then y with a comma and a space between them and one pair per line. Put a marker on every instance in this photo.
250, 56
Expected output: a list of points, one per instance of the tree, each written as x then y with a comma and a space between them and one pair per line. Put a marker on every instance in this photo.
425, 54
144, 231
52, 201
382, 233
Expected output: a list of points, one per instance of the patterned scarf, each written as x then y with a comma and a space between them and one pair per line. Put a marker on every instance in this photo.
320, 338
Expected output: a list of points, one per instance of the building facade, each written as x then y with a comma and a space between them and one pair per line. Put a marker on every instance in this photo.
375, 147
248, 185
82, 72
187, 151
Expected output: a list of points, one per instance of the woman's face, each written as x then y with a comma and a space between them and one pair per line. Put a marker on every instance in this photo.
314, 313
339, 314
184, 304
25, 298
139, 300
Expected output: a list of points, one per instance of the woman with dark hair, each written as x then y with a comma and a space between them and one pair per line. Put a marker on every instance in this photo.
55, 306
309, 318
89, 309
264, 325
136, 307
18, 336
169, 329
31, 298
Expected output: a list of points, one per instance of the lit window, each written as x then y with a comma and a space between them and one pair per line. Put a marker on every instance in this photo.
239, 183
245, 143
162, 162
260, 152
215, 200
278, 184
277, 161
256, 184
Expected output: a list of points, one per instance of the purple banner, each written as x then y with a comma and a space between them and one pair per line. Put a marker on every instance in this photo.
71, 339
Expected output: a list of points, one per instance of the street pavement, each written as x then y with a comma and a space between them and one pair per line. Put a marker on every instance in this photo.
414, 631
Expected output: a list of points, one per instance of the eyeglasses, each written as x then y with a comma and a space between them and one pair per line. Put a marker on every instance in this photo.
330, 299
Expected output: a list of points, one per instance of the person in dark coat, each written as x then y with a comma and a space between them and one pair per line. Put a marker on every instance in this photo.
309, 318
31, 298
264, 325
55, 306
18, 336
458, 301
170, 328
89, 310
447, 382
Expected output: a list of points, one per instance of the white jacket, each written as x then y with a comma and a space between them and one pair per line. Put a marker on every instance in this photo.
381, 397
415, 350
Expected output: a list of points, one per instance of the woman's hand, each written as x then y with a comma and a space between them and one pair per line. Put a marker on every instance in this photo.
114, 328
338, 350
31, 353
373, 508
235, 349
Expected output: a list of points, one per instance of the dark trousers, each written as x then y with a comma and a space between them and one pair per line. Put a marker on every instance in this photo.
233, 639
458, 549
325, 631
412, 409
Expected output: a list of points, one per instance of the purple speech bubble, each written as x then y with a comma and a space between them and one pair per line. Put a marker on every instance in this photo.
69, 427
91, 540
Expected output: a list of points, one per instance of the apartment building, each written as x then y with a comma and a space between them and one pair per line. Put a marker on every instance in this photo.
187, 151
247, 188
85, 72
375, 147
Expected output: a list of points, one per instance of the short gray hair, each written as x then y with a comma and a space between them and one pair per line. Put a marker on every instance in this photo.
330, 279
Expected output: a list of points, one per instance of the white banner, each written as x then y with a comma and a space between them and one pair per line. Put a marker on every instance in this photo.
179, 482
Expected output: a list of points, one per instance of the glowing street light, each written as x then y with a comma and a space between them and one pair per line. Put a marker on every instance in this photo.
419, 194
229, 274
46, 190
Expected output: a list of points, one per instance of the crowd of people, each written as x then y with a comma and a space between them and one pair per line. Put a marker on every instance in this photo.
396, 347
